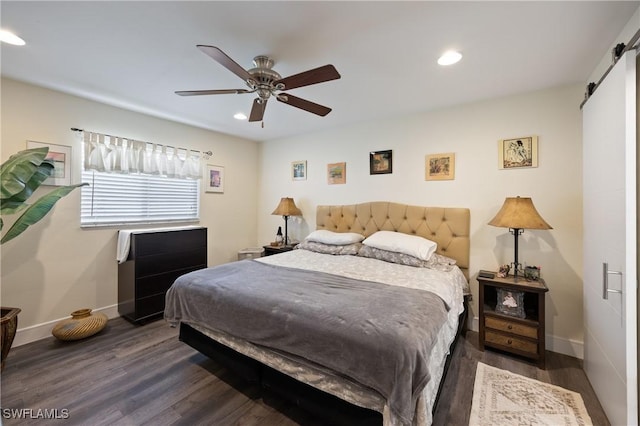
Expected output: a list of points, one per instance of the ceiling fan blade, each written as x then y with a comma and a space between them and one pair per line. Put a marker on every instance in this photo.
307, 78
257, 111
225, 61
303, 104
211, 92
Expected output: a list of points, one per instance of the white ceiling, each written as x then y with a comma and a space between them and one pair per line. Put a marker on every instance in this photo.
136, 54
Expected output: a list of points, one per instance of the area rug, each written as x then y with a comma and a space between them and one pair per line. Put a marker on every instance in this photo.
504, 398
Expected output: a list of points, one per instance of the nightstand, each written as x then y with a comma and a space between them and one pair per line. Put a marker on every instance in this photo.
508, 332
269, 250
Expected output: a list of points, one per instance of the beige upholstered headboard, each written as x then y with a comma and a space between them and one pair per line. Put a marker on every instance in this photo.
448, 227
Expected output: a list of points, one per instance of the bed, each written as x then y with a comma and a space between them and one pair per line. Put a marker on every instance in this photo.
324, 320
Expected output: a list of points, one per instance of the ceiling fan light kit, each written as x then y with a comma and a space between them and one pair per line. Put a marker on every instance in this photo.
266, 82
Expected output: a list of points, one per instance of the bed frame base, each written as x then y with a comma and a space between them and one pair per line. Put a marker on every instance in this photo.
321, 404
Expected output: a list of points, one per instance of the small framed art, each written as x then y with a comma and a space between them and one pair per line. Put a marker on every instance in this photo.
510, 302
214, 179
299, 170
336, 173
381, 162
61, 157
518, 152
440, 166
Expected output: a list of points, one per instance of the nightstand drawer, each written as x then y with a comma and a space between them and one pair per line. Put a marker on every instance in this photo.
511, 342
511, 327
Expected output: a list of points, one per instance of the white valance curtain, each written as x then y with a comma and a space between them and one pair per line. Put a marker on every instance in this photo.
112, 154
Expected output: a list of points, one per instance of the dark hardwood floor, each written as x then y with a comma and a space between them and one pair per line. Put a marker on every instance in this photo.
142, 375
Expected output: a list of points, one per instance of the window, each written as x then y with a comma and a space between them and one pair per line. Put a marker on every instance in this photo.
135, 182
115, 198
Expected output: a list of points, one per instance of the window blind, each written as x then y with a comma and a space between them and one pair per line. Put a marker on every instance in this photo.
112, 199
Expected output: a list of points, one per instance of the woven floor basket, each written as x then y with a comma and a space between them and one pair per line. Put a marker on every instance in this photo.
82, 324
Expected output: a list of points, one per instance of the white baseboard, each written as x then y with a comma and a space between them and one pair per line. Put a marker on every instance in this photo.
557, 344
42, 331
565, 346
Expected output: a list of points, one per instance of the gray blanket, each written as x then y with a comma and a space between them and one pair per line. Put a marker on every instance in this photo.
376, 334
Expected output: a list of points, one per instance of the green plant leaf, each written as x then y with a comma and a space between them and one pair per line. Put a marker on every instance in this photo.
12, 207
17, 171
44, 170
37, 211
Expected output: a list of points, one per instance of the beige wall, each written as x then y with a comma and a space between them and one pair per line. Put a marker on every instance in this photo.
472, 132
56, 267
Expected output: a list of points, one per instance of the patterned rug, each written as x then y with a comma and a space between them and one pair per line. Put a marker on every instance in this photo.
504, 398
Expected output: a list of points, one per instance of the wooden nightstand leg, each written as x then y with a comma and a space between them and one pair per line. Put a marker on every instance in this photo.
541, 363
541, 333
481, 316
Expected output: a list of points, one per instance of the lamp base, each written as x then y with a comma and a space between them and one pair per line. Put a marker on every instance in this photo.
517, 273
516, 265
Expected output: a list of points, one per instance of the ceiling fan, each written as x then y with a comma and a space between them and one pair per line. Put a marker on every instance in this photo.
265, 82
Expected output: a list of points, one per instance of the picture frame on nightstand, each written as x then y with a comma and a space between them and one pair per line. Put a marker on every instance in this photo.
510, 302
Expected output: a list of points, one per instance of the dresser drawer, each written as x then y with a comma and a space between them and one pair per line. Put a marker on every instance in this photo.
522, 345
168, 262
154, 243
511, 327
154, 284
148, 306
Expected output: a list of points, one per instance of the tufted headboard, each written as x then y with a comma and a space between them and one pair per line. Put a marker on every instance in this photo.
448, 227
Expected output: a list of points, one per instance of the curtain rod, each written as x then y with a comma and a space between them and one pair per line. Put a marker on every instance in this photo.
617, 52
75, 129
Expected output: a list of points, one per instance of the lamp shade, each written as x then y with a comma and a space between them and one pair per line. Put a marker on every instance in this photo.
519, 213
287, 207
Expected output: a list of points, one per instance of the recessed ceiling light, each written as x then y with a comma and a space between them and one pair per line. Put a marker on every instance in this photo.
449, 58
11, 38
239, 116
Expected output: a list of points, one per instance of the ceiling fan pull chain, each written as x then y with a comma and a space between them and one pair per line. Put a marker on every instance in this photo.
263, 124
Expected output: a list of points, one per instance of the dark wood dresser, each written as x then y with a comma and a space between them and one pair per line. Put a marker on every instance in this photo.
155, 260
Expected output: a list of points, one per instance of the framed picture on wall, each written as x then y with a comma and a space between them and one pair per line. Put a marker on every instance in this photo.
440, 166
336, 173
214, 178
61, 157
518, 152
299, 170
381, 162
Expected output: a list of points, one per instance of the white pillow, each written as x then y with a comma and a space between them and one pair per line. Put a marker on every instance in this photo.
412, 245
336, 238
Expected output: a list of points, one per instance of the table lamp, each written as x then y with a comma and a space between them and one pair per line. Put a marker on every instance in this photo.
286, 208
517, 214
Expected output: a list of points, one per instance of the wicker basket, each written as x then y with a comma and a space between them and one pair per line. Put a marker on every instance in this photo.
8, 327
82, 324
